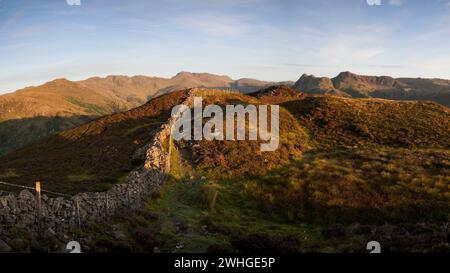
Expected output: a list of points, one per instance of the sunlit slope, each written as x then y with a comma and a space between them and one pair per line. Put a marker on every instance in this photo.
92, 156
338, 121
354, 164
32, 113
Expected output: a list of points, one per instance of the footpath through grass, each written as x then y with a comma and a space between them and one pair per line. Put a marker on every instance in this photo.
197, 214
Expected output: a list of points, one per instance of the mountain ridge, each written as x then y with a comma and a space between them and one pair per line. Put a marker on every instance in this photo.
349, 84
34, 112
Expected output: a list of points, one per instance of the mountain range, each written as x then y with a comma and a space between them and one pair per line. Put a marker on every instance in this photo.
32, 113
100, 96
352, 85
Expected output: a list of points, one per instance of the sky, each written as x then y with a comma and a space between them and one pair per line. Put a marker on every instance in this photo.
41, 40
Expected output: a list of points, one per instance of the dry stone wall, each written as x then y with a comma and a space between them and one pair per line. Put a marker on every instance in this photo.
63, 215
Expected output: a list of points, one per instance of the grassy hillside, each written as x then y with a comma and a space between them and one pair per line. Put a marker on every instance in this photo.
18, 133
64, 104
347, 171
342, 189
92, 156
222, 158
277, 94
338, 121
33, 113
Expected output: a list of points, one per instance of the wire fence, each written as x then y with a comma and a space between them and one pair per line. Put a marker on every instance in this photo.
33, 189
38, 206
83, 208
72, 212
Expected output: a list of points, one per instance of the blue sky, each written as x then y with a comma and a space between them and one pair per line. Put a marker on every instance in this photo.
270, 40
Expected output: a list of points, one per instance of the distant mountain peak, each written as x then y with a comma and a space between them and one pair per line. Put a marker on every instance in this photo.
60, 81
186, 74
183, 73
350, 84
346, 74
312, 84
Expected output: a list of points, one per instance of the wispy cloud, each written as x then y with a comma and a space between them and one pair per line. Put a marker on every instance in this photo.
350, 48
217, 25
255, 38
302, 65
12, 19
374, 2
381, 2
436, 65
396, 2
388, 66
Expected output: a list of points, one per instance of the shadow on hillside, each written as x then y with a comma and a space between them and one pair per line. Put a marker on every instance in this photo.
90, 157
76, 160
17, 133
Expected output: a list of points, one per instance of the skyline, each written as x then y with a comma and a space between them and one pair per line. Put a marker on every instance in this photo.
261, 39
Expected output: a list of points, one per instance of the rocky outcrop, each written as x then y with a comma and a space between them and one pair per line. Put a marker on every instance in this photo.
348, 84
317, 85
347, 79
364, 86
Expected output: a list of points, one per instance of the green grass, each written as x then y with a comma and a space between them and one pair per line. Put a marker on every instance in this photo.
122, 179
273, 205
366, 162
340, 163
181, 203
340, 122
90, 108
9, 173
80, 177
367, 186
299, 197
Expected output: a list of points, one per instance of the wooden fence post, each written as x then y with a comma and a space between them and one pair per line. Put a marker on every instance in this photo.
38, 204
